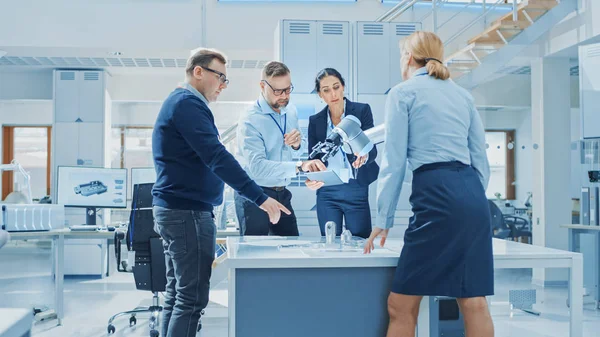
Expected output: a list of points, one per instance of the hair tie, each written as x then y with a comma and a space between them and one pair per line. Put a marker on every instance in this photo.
432, 59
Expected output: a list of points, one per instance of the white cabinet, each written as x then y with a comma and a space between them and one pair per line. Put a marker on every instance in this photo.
306, 47
66, 98
79, 138
91, 96
333, 49
377, 64
372, 58
79, 96
589, 84
299, 53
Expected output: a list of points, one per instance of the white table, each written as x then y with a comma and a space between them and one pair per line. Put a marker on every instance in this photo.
58, 237
15, 322
575, 232
243, 261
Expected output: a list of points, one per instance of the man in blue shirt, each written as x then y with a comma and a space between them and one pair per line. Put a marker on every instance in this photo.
268, 140
191, 165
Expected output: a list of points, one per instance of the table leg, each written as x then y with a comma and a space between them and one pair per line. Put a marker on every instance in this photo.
108, 257
59, 259
576, 297
574, 240
423, 323
597, 269
103, 253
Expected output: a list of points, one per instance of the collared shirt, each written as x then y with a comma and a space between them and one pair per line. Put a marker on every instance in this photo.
338, 163
260, 144
194, 91
427, 121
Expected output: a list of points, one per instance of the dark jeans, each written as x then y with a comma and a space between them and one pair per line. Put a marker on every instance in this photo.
349, 202
255, 221
189, 244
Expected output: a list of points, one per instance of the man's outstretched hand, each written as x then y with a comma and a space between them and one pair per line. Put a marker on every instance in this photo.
274, 209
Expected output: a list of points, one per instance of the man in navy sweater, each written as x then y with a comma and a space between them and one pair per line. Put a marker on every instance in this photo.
191, 166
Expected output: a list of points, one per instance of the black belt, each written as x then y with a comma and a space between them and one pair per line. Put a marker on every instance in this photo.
276, 188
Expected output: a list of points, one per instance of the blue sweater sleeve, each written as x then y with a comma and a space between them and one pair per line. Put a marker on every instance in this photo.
195, 123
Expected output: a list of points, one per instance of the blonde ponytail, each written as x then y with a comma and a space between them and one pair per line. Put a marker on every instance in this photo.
427, 50
437, 69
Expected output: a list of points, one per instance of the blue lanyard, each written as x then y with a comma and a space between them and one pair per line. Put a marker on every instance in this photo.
423, 74
276, 123
279, 126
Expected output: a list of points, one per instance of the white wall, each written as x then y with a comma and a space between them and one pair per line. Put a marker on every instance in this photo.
101, 23
575, 29
26, 84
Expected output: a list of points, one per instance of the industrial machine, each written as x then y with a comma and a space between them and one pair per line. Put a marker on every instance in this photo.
349, 136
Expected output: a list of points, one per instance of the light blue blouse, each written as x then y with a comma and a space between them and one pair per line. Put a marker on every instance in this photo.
427, 121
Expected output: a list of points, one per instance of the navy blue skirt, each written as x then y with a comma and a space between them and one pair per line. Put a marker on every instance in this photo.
448, 244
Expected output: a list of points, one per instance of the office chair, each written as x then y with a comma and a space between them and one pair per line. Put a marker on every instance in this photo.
508, 226
149, 270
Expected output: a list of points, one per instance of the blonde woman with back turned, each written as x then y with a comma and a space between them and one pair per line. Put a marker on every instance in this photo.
432, 123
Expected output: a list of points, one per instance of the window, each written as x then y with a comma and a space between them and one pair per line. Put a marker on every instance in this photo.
30, 146
501, 154
131, 147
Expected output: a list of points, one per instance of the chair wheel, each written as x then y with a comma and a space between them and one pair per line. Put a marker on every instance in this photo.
132, 321
154, 333
111, 329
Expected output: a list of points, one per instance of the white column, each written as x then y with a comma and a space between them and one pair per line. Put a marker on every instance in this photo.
551, 137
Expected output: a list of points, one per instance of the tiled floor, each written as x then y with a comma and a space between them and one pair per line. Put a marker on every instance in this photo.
25, 282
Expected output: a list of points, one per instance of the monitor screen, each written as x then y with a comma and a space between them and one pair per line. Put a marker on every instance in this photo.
141, 175
80, 186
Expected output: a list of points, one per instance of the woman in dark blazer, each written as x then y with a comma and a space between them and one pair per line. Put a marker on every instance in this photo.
349, 201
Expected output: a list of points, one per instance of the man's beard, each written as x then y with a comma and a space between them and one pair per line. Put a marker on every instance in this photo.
280, 104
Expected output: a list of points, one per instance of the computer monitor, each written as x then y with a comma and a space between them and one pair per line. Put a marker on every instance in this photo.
141, 175
92, 188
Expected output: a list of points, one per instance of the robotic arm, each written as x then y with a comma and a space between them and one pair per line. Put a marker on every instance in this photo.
348, 135
15, 166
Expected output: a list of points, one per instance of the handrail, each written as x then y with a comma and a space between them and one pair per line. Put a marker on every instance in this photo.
457, 13
395, 15
229, 130
464, 29
436, 5
391, 11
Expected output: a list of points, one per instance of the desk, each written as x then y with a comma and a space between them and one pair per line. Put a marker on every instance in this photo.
58, 237
575, 232
15, 322
296, 280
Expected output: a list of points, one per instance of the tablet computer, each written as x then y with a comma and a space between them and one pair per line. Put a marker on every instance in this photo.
330, 178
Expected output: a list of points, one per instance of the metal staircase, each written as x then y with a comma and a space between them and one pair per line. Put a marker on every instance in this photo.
486, 54
503, 40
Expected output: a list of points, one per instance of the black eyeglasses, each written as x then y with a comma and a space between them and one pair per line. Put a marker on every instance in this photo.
222, 76
279, 92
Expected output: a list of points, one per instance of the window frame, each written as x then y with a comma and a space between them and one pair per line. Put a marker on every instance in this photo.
123, 129
8, 153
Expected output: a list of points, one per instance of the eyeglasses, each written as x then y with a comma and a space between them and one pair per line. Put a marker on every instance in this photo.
279, 92
222, 76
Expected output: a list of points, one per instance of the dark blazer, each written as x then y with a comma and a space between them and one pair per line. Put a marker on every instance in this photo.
317, 132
